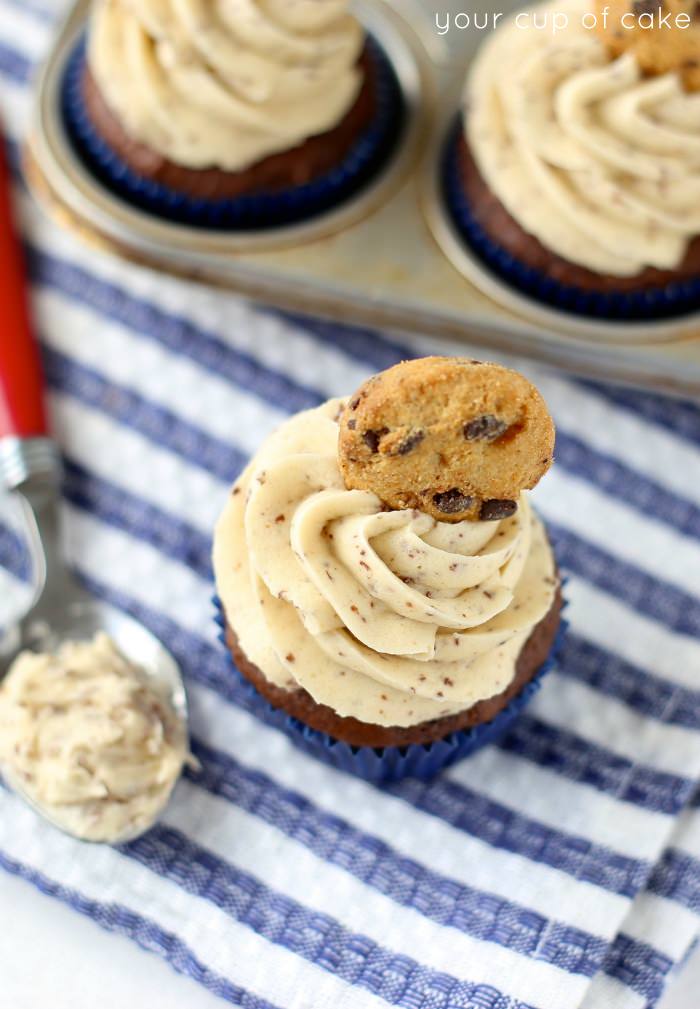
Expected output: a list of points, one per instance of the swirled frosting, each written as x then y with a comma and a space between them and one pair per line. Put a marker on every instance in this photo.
225, 83
387, 616
598, 163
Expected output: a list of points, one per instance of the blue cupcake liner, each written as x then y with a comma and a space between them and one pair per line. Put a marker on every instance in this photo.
389, 763
251, 211
667, 302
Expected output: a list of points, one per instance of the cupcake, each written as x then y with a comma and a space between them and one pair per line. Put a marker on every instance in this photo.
575, 171
385, 585
241, 114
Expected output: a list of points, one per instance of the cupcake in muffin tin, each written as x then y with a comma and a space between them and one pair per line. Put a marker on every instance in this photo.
574, 173
241, 116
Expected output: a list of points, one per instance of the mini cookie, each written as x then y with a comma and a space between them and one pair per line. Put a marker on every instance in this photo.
455, 438
648, 28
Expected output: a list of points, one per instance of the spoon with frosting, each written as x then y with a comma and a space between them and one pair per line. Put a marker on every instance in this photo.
93, 713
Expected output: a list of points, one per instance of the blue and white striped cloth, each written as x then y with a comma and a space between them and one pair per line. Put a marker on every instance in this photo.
558, 869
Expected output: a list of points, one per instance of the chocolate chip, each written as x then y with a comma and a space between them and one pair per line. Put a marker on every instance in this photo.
352, 424
495, 509
452, 501
646, 6
355, 403
410, 442
484, 428
371, 438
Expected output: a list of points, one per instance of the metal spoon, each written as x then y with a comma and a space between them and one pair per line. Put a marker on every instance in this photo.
30, 467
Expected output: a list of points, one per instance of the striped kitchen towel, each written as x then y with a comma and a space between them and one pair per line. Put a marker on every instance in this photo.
555, 870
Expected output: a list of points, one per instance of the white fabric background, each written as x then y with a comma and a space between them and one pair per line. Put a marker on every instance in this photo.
52, 956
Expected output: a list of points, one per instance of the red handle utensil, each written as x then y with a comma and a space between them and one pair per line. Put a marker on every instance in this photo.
22, 413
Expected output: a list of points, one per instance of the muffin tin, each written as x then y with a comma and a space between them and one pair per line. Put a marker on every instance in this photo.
389, 257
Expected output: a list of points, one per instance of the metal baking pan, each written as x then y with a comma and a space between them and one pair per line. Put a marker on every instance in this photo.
387, 258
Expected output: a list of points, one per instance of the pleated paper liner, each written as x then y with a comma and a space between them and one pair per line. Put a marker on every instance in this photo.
390, 763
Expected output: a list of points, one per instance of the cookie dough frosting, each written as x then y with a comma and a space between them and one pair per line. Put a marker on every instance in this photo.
88, 740
599, 163
391, 617
225, 83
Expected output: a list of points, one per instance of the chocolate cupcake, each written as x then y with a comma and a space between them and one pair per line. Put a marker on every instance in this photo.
575, 175
247, 115
384, 640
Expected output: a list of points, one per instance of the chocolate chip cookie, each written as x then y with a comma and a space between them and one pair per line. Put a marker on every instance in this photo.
456, 438
653, 31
